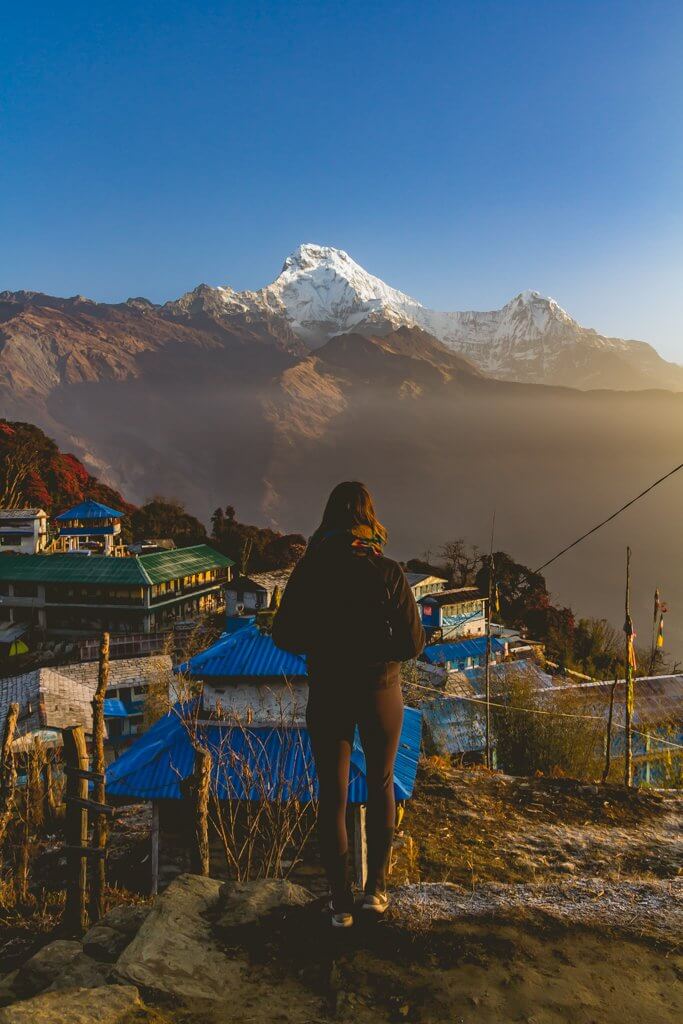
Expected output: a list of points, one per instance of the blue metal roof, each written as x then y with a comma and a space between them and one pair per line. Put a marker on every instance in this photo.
114, 708
249, 652
439, 654
89, 510
455, 726
247, 762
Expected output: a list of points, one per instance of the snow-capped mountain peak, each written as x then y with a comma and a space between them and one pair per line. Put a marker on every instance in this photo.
532, 315
321, 291
324, 291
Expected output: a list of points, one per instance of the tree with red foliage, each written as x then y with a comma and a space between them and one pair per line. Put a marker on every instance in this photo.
53, 480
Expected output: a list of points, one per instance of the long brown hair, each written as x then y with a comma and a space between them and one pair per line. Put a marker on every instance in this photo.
349, 507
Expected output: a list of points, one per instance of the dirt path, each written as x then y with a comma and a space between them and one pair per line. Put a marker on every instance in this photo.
453, 970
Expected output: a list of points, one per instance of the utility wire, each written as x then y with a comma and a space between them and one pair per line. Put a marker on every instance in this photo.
609, 518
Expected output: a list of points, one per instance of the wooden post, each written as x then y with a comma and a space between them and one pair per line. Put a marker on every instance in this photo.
33, 815
200, 792
487, 664
655, 618
628, 689
49, 802
97, 900
154, 887
610, 715
360, 845
8, 769
76, 829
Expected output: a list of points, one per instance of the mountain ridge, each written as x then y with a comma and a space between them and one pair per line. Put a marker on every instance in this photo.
321, 292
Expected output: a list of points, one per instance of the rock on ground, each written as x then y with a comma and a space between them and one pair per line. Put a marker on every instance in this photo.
107, 939
109, 1004
174, 952
82, 972
247, 902
7, 993
42, 969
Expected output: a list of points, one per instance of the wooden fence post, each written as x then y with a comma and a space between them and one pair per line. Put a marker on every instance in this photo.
154, 887
360, 845
8, 769
200, 792
98, 881
608, 748
76, 828
33, 814
628, 689
49, 802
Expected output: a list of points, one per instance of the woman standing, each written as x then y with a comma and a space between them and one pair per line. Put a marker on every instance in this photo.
351, 611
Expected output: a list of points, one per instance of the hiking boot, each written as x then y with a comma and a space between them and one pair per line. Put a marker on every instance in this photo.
340, 916
376, 902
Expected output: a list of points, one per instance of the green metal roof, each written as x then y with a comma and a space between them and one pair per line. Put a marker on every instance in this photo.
168, 565
141, 570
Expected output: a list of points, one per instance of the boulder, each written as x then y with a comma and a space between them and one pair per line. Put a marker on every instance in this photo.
126, 918
7, 992
246, 902
174, 952
109, 1004
45, 966
107, 939
82, 972
104, 943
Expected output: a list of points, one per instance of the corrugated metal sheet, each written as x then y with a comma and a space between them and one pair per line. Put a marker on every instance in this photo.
64, 568
141, 570
89, 510
20, 513
11, 631
162, 566
503, 674
454, 726
656, 699
246, 653
247, 763
439, 654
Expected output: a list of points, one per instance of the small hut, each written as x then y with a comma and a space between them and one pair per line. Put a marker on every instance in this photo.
90, 523
248, 714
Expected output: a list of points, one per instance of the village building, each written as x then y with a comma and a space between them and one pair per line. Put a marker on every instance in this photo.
65, 594
23, 530
246, 677
460, 655
423, 583
250, 716
455, 721
459, 611
51, 699
255, 592
657, 741
89, 526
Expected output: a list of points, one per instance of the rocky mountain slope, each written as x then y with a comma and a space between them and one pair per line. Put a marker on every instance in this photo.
321, 291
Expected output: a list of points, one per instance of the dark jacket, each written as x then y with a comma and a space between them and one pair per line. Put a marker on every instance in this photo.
353, 615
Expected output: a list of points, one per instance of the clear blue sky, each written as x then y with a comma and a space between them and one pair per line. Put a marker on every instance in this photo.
461, 151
